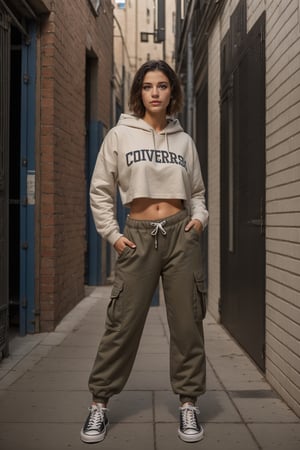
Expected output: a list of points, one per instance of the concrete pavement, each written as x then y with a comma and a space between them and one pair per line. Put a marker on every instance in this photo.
44, 396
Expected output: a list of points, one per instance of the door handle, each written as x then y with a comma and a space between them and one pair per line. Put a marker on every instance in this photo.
257, 223
260, 222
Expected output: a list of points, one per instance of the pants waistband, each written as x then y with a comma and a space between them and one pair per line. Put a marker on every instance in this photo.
148, 224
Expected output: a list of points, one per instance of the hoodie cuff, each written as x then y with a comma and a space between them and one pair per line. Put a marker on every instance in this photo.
114, 236
202, 217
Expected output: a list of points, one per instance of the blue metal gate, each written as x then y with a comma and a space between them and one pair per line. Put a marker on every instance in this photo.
27, 183
4, 152
94, 242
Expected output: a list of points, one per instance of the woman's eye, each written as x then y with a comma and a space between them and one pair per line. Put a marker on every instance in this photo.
163, 86
146, 87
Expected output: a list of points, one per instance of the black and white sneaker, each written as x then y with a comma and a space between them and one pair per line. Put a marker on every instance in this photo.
190, 430
96, 424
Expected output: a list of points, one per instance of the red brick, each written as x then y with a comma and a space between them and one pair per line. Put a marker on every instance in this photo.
62, 184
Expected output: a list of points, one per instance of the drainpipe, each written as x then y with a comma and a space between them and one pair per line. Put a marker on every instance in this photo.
190, 86
136, 35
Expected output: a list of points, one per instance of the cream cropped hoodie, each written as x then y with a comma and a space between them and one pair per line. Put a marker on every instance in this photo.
145, 163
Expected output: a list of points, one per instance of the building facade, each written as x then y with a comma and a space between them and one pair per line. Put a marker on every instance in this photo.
244, 112
142, 31
56, 73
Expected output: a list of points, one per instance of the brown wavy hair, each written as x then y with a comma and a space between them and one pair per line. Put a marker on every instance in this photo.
135, 99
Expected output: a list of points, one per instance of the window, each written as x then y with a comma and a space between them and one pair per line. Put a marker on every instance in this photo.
121, 4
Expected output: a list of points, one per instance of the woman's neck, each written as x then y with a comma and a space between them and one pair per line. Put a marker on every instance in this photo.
158, 123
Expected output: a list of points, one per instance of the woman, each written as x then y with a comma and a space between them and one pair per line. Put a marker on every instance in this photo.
156, 168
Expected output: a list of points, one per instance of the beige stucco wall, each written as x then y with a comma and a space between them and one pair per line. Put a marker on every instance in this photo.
214, 171
283, 198
282, 185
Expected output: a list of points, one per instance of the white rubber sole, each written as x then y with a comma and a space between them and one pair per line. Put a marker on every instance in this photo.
191, 437
93, 439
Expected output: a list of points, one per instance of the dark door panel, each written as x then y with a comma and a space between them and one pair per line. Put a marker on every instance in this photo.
243, 196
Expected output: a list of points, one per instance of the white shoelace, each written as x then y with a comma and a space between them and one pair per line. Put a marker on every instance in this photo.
96, 418
158, 226
188, 415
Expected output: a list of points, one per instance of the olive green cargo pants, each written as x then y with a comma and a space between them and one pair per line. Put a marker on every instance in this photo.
163, 249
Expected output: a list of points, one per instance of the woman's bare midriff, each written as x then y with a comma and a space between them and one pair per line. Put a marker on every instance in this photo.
154, 209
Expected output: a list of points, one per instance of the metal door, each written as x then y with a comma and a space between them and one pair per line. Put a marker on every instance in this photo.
4, 153
242, 304
28, 312
17, 158
94, 263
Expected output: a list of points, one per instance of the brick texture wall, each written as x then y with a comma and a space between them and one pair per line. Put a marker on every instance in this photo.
67, 34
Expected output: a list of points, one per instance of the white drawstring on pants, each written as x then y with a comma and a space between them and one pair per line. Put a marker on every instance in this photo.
158, 226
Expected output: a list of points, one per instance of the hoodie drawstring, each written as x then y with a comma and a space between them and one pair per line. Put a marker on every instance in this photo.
153, 137
158, 226
166, 140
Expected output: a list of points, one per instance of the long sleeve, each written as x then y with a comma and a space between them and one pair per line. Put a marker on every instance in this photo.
197, 202
103, 190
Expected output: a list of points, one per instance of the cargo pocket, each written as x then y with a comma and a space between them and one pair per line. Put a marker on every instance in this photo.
200, 296
125, 251
115, 308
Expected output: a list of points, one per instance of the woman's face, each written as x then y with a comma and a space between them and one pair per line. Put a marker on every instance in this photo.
156, 92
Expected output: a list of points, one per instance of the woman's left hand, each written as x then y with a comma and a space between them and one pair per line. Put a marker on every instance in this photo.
194, 223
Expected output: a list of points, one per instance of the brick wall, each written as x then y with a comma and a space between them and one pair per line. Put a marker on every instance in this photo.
67, 34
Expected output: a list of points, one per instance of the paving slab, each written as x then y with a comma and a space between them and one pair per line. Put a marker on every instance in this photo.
76, 339
20, 346
70, 364
73, 352
52, 381
162, 347
131, 407
146, 380
213, 382
214, 332
238, 372
282, 436
258, 408
225, 347
86, 327
151, 362
215, 406
43, 407
217, 437
154, 340
53, 339
131, 436
65, 436
62, 436
152, 329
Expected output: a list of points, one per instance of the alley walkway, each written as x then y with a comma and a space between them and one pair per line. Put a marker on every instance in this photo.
44, 397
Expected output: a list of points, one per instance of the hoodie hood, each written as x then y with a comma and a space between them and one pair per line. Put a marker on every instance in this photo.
129, 120
134, 122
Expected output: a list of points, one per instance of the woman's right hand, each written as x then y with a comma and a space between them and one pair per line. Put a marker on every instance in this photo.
121, 243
